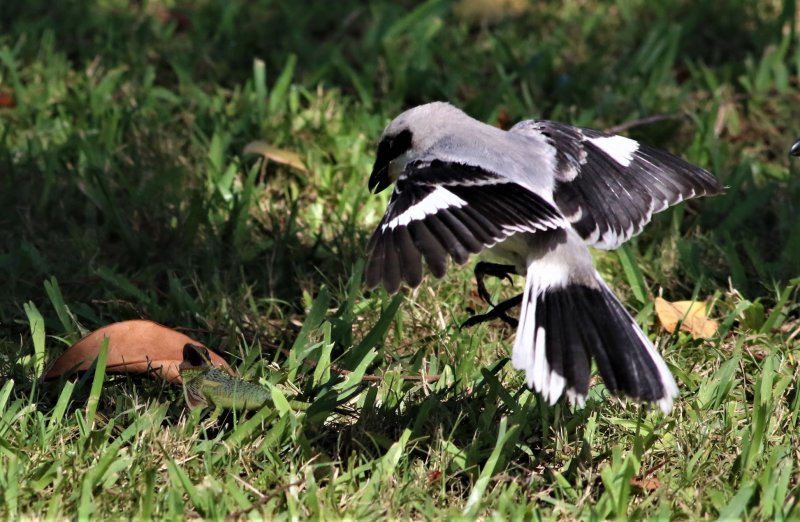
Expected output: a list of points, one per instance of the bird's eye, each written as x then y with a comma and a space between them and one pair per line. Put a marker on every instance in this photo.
399, 144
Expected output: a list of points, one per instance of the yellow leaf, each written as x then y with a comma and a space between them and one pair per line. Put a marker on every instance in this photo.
691, 314
282, 156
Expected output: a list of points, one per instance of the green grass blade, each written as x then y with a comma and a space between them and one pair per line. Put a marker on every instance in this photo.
57, 300
376, 335
389, 462
36, 322
5, 393
57, 414
147, 501
11, 480
123, 284
277, 97
260, 86
179, 478
479, 489
356, 375
778, 314
313, 320
244, 429
415, 17
633, 273
738, 504
279, 401
322, 371
97, 383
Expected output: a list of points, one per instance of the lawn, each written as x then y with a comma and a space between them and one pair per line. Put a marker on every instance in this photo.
126, 193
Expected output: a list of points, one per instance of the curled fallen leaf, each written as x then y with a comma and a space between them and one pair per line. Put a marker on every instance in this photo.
692, 316
282, 156
646, 484
133, 347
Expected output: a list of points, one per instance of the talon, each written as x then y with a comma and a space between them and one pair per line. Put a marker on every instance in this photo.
497, 312
482, 269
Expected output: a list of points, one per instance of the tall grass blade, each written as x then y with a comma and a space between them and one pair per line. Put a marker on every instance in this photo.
36, 322
97, 383
633, 273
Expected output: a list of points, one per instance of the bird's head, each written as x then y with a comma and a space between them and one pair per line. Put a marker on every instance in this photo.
408, 136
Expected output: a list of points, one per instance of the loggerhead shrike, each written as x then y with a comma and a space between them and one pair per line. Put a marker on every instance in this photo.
535, 197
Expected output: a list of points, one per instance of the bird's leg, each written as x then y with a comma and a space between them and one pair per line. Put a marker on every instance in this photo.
497, 312
482, 269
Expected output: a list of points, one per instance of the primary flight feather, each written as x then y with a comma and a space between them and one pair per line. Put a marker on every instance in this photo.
534, 197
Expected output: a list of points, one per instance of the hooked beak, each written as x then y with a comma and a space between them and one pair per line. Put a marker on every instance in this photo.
795, 150
389, 149
379, 179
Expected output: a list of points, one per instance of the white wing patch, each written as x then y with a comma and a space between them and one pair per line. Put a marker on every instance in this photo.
619, 148
439, 199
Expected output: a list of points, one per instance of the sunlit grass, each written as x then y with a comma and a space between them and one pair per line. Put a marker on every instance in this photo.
125, 193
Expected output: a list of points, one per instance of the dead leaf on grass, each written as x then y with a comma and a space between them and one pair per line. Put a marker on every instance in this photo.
282, 156
646, 484
133, 347
691, 314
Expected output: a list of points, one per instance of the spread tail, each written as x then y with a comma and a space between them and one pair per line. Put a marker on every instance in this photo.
564, 323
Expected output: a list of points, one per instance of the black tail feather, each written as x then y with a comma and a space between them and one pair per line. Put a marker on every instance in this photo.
580, 322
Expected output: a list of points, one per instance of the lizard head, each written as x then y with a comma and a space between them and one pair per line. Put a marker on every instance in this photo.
195, 355
195, 364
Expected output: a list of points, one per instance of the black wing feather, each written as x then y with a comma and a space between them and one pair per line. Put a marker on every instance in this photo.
606, 201
443, 209
410, 258
433, 251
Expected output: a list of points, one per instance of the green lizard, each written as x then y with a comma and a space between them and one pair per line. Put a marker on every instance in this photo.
206, 385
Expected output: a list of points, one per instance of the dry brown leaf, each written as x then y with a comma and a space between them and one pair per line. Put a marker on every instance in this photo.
282, 156
133, 347
692, 313
646, 484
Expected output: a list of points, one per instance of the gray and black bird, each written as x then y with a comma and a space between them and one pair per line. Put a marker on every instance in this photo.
535, 197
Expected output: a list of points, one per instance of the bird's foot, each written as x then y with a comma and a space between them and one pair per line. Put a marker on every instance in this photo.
483, 269
497, 312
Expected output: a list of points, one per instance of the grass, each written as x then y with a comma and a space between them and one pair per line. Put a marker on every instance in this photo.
125, 193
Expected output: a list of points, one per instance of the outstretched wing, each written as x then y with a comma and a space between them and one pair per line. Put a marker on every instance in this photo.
608, 187
440, 210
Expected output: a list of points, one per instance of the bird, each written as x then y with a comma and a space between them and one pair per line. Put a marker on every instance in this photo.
795, 150
531, 201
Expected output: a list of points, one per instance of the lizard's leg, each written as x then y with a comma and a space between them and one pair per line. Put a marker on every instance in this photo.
212, 420
497, 312
483, 269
